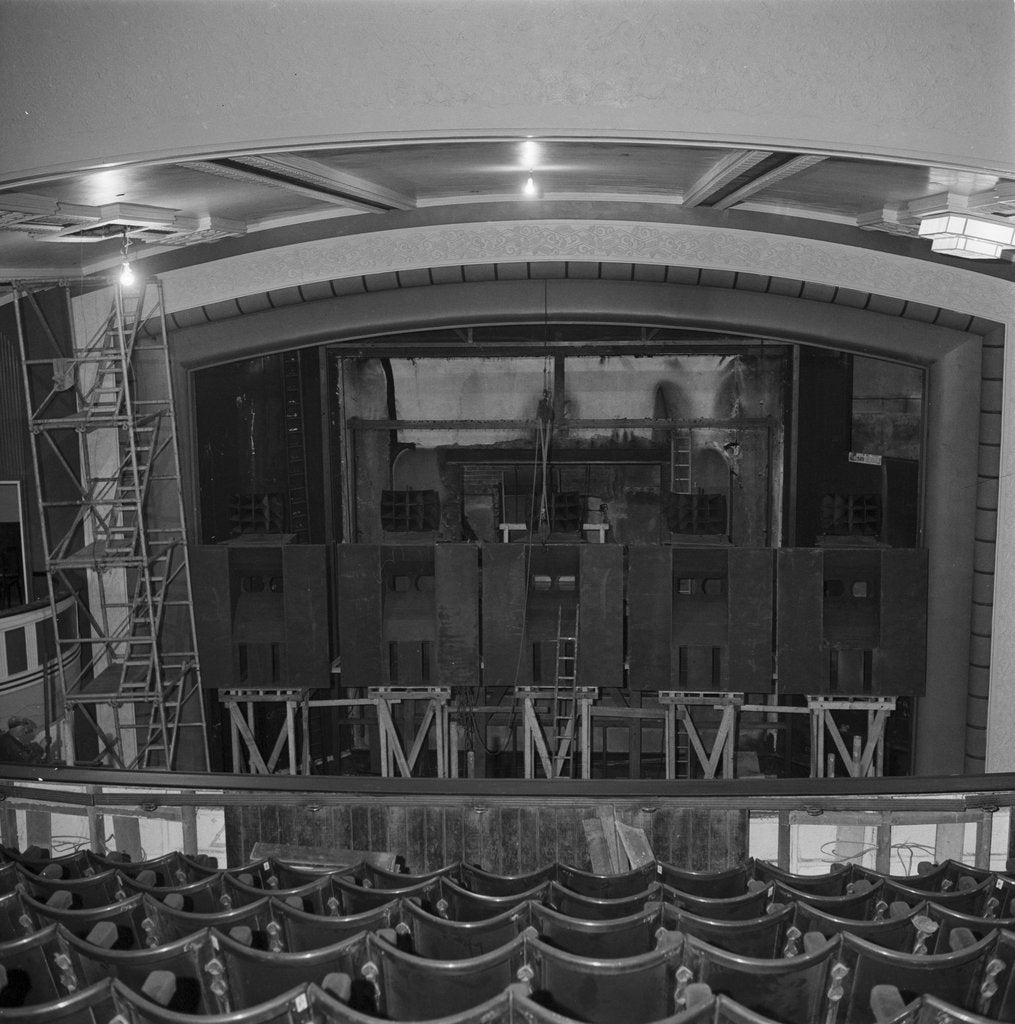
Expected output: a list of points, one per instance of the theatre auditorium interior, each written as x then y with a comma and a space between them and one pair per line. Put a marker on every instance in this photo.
502, 511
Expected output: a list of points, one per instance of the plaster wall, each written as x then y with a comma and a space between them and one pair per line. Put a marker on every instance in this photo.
100, 82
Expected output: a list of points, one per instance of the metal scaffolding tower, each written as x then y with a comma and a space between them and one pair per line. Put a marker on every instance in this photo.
111, 516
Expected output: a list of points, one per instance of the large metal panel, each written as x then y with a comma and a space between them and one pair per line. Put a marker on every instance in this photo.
457, 594
650, 616
305, 571
601, 619
209, 581
801, 665
900, 663
359, 616
504, 835
700, 630
506, 662
750, 618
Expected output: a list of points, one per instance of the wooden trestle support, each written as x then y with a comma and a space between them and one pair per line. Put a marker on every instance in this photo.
546, 754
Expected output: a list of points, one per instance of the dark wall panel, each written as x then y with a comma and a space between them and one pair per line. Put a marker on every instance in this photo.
504, 835
801, 666
700, 630
900, 664
359, 615
506, 661
750, 611
601, 622
457, 595
308, 660
209, 580
650, 615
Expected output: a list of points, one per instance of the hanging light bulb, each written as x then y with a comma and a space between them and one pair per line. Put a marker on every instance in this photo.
530, 186
126, 274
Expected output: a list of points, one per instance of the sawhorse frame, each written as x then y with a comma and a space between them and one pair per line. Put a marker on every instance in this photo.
392, 752
393, 755
534, 740
241, 728
865, 758
678, 704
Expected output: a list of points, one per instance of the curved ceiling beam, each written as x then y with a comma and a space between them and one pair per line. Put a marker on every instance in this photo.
752, 314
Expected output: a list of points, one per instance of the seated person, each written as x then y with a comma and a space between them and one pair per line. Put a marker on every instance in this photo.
18, 744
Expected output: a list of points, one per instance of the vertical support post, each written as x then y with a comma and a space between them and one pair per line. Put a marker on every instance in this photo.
305, 722
234, 732
670, 720
290, 728
586, 749
188, 819
984, 831
883, 846
785, 840
441, 722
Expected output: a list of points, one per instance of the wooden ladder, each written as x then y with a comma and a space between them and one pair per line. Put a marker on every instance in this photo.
565, 698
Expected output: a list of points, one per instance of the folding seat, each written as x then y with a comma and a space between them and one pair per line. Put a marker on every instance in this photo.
947, 920
486, 883
833, 883
123, 921
301, 930
893, 932
956, 870
356, 899
183, 962
1002, 900
955, 977
928, 877
173, 869
859, 904
317, 896
8, 877
32, 975
764, 936
590, 909
438, 939
525, 1010
628, 990
793, 989
714, 884
94, 891
241, 977
731, 908
972, 899
408, 988
997, 985
729, 1011
607, 939
378, 878
271, 875
162, 924
931, 1010
607, 887
36, 861
203, 896
290, 876
326, 1009
16, 920
458, 904
290, 1007
92, 1005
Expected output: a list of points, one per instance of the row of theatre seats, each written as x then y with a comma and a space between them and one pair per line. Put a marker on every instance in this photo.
96, 940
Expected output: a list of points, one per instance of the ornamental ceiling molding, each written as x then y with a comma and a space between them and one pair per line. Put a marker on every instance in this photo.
592, 241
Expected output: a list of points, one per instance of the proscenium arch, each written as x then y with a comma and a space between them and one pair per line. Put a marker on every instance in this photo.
951, 358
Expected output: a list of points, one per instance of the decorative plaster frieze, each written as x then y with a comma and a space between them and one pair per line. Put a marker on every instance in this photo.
442, 245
